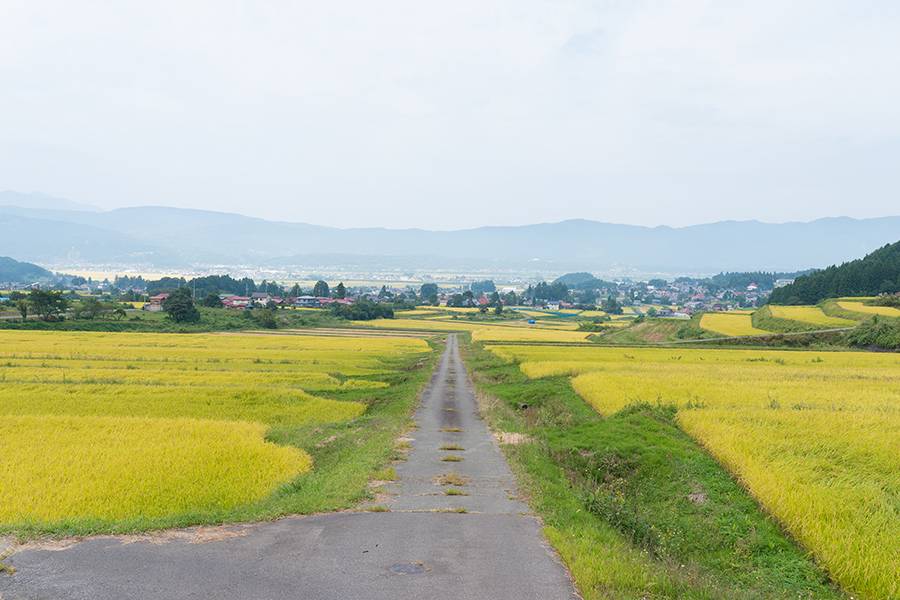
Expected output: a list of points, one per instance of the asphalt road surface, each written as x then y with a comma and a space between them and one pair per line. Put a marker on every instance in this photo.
418, 550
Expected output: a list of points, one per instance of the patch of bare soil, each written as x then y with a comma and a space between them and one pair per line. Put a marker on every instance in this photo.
192, 535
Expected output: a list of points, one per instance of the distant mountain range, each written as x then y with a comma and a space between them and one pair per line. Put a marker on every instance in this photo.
161, 237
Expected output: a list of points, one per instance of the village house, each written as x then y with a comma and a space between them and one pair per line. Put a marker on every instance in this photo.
326, 301
260, 298
156, 302
306, 302
236, 301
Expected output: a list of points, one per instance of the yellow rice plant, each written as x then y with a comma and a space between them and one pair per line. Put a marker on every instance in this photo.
62, 373
300, 355
883, 363
730, 324
532, 313
481, 332
210, 347
859, 307
418, 312
522, 334
281, 407
809, 314
185, 412
831, 477
815, 437
62, 468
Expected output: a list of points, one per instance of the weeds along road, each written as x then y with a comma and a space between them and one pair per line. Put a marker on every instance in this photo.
421, 544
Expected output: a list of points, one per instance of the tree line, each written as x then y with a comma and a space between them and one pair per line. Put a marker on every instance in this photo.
876, 273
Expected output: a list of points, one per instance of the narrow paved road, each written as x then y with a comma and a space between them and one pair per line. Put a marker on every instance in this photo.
418, 550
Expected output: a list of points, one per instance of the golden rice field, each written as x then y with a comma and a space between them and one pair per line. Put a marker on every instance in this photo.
114, 468
730, 324
458, 309
418, 312
122, 427
815, 437
534, 313
809, 314
865, 309
512, 332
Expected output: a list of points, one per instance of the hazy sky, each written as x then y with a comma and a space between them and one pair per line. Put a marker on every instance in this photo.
454, 114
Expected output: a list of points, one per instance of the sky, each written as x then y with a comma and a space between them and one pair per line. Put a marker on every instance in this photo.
448, 115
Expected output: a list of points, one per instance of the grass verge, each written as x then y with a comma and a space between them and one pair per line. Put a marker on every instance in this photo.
634, 506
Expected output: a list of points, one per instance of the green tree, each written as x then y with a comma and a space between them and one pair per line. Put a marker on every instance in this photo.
22, 305
119, 313
265, 317
363, 310
49, 305
296, 291
429, 291
90, 308
479, 288
321, 289
340, 291
212, 301
611, 305
180, 306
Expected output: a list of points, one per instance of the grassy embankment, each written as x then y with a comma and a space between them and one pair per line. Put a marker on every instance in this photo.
634, 506
655, 330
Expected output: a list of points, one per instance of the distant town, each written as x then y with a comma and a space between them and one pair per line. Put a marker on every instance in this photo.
679, 297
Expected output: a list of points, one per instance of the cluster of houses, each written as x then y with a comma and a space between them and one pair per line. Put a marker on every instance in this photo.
691, 297
257, 299
263, 299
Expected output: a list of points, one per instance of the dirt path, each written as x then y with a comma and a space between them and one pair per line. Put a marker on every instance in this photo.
418, 550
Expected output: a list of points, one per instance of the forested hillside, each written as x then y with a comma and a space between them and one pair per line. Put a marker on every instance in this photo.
13, 271
877, 273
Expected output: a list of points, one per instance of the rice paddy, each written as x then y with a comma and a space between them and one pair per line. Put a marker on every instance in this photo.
865, 309
809, 314
511, 332
730, 324
111, 428
111, 468
815, 437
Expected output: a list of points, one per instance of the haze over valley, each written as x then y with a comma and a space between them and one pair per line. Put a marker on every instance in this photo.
62, 234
